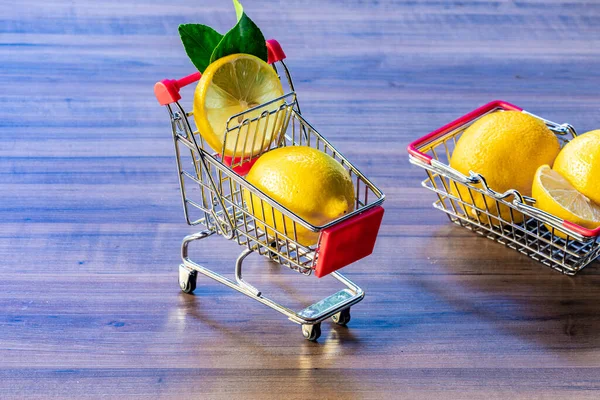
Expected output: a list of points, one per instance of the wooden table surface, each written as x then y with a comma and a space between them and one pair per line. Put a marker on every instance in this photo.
91, 220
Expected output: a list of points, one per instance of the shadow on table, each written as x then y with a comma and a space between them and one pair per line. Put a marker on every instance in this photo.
514, 293
305, 360
333, 335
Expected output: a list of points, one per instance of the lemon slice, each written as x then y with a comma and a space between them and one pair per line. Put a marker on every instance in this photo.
231, 85
555, 195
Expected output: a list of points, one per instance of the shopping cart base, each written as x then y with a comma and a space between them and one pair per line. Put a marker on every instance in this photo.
337, 306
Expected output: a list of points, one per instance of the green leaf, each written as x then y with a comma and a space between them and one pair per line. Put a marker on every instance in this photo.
199, 42
244, 37
239, 10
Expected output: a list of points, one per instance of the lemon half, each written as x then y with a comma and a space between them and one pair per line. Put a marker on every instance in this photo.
555, 195
231, 85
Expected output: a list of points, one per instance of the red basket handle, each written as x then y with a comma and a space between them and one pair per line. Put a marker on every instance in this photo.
413, 148
581, 230
167, 90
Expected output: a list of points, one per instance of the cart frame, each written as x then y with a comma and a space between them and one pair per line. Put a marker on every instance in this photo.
215, 188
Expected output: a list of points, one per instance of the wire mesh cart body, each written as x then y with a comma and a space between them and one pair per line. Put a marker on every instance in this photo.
559, 244
214, 194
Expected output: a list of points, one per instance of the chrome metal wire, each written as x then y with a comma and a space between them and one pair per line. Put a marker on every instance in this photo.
508, 218
215, 196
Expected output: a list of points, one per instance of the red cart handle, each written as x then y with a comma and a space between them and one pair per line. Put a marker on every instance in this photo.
347, 242
167, 91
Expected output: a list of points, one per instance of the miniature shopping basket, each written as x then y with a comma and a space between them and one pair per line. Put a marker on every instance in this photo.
524, 228
213, 188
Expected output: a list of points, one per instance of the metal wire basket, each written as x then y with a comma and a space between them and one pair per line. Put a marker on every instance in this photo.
537, 234
215, 195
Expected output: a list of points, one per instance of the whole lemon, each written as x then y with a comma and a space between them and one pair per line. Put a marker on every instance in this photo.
506, 148
579, 163
307, 182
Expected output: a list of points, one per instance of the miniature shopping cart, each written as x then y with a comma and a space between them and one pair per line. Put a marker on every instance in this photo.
537, 234
213, 188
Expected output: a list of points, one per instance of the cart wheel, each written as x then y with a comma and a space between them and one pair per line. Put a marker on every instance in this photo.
272, 254
187, 279
342, 318
311, 332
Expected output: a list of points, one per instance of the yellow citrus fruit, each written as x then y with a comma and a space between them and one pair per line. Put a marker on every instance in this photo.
307, 182
231, 85
555, 195
579, 163
506, 148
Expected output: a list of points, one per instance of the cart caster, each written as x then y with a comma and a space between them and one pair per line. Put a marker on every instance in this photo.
342, 318
311, 332
272, 255
187, 279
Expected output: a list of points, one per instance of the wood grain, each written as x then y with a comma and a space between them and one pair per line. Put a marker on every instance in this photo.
90, 218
